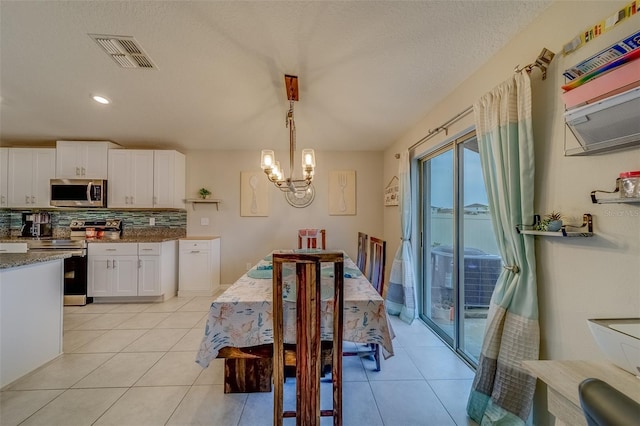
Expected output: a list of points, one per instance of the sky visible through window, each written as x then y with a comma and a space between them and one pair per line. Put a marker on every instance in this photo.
473, 182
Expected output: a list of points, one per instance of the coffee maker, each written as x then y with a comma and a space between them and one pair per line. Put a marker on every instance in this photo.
36, 225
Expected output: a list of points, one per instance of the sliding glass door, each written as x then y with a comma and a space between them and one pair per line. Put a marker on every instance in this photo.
459, 260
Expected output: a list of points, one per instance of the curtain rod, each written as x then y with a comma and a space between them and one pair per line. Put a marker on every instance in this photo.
440, 128
542, 61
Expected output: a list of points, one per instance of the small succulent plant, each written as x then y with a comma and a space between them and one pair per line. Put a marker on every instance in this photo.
204, 193
554, 215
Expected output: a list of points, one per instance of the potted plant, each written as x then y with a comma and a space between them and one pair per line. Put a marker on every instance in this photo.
554, 221
542, 225
204, 193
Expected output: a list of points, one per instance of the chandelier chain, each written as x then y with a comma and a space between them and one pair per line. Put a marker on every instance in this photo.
272, 168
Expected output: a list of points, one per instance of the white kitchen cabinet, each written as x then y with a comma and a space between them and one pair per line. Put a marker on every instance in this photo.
4, 174
168, 179
82, 159
132, 269
149, 276
30, 170
112, 269
199, 270
130, 178
158, 269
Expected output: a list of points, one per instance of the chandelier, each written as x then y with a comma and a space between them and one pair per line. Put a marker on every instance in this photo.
271, 167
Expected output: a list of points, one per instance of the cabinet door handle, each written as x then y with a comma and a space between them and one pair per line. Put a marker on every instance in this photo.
2, 199
132, 200
77, 171
126, 199
83, 171
144, 249
33, 199
108, 264
114, 263
155, 200
195, 251
26, 199
110, 250
139, 263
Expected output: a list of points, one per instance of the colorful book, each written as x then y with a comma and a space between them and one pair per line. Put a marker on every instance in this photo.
621, 79
603, 57
630, 56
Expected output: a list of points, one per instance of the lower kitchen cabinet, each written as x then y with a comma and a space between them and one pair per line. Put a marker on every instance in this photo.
113, 269
158, 269
132, 270
199, 266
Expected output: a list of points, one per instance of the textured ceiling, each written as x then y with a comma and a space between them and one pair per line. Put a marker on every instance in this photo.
367, 70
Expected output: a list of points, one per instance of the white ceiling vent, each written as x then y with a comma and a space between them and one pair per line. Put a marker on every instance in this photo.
124, 50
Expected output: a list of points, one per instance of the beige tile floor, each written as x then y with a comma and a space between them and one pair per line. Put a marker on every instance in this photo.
133, 364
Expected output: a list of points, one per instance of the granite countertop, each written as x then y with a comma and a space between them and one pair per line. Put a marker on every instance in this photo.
137, 239
126, 239
12, 260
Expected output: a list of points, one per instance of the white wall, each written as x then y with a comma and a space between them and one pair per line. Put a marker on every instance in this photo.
577, 278
248, 239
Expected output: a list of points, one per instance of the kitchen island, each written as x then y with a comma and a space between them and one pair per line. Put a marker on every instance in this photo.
31, 290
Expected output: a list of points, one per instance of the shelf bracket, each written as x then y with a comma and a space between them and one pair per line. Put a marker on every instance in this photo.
587, 221
594, 200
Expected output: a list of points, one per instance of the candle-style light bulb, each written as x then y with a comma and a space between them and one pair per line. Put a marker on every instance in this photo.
308, 158
268, 159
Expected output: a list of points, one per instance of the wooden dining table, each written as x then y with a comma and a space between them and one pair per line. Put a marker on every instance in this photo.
240, 324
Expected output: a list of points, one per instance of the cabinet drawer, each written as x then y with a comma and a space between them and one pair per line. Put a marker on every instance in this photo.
13, 247
186, 245
149, 249
113, 249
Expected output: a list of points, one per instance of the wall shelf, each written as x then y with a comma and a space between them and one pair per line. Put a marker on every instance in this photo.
635, 200
194, 201
617, 200
587, 224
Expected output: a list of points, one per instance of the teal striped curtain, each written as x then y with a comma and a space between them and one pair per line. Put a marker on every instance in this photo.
401, 299
502, 391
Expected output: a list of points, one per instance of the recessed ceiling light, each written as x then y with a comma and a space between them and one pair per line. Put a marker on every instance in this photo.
101, 99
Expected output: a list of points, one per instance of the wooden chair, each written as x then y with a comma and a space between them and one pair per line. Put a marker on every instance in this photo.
308, 238
308, 335
376, 264
375, 274
361, 260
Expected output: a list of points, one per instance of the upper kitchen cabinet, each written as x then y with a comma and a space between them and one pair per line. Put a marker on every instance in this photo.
130, 178
82, 159
168, 179
4, 187
30, 170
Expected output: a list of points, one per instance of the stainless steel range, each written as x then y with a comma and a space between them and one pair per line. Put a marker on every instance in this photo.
108, 229
75, 267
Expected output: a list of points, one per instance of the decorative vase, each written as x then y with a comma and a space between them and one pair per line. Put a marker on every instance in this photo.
554, 225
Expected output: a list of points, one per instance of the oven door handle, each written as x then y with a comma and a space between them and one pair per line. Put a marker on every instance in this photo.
89, 185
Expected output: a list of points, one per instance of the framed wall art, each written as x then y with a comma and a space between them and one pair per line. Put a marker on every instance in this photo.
254, 194
342, 192
391, 192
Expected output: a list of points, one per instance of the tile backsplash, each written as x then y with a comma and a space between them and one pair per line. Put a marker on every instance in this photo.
134, 222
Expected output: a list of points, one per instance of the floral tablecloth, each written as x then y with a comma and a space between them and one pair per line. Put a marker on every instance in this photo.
242, 315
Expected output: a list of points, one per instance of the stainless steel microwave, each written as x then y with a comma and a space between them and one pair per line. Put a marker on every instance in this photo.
78, 193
